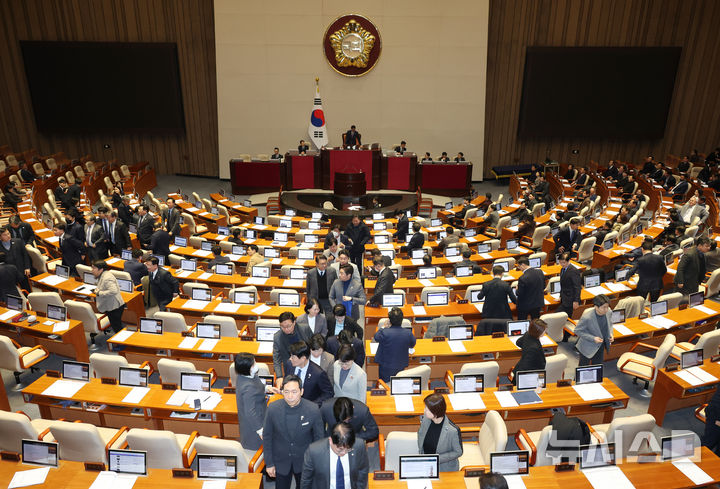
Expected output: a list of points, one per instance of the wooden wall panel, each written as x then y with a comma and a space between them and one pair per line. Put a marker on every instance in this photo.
189, 23
693, 120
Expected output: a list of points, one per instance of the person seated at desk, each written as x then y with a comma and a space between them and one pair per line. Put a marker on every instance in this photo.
427, 158
416, 242
460, 157
437, 434
235, 238
682, 187
26, 174
339, 320
532, 356
394, 343
496, 293
276, 154
444, 157
135, 267
467, 262
401, 149
526, 227
11, 198
303, 147
316, 384
352, 138
349, 379
217, 257
351, 411
255, 257
450, 238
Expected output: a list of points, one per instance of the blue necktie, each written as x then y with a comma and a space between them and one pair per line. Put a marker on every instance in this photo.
339, 476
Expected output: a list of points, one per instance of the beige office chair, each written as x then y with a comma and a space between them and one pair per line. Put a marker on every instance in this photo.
188, 286
536, 442
193, 228
712, 286
707, 342
93, 323
395, 444
15, 427
121, 274
83, 442
196, 241
172, 322
422, 371
586, 250
248, 460
231, 220
633, 306
228, 327
385, 323
673, 299
170, 370
641, 367
555, 368
555, 325
536, 242
431, 290
165, 449
18, 358
103, 365
492, 437
81, 269
489, 371
274, 294
623, 431
40, 300
175, 260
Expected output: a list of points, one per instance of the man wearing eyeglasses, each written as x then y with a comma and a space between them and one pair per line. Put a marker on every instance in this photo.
289, 429
337, 462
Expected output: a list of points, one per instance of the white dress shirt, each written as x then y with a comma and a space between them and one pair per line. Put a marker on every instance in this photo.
311, 323
302, 372
345, 461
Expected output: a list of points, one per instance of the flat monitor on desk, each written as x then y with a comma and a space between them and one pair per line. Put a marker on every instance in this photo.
678, 446
151, 325
89, 278
194, 381
280, 237
14, 302
517, 328
405, 386
555, 287
201, 294
658, 308
266, 333
76, 370
435, 222
691, 358
303, 254
223, 231
269, 252
451, 251
298, 274
599, 455
448, 205
437, 298
208, 331
239, 250
484, 248
180, 241
468, 383
223, 269
314, 225
288, 299
125, 285
212, 467
132, 377
381, 239
393, 300
243, 297
504, 264
261, 272
127, 461
530, 379
316, 216
378, 215
58, 313
389, 253
379, 226
259, 220
417, 254
535, 262
622, 274
470, 232
618, 316
311, 238
475, 296
419, 467
589, 374
696, 299
464, 271
44, 453
206, 245
511, 244
247, 203
608, 244
160, 259
250, 234
285, 223
188, 265
64, 271
591, 280
515, 462
460, 332
290, 212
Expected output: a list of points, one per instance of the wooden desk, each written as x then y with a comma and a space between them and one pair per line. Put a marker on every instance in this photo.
671, 392
247, 214
72, 475
532, 417
374, 314
255, 177
445, 178
70, 343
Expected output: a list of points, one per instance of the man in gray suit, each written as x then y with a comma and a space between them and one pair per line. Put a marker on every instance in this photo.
290, 427
341, 458
594, 331
319, 280
693, 209
251, 402
289, 333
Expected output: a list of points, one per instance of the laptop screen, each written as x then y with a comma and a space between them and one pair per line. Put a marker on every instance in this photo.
180, 241
311, 238
517, 328
510, 463
285, 223
127, 461
62, 271
437, 299
696, 299
305, 254
190, 265
389, 253
600, 455
658, 308
75, 370
206, 245
194, 381
125, 255
504, 264
58, 313
281, 237
207, 330
608, 243
484, 248
463, 271
89, 278
271, 252
150, 325
379, 226
592, 280
393, 300
691, 358
435, 222
417, 254
316, 216
452, 251
427, 273
470, 232
223, 231
535, 262
381, 239
419, 466
266, 333
14, 302
288, 299
405, 385
36, 452
468, 383
239, 250
223, 269
530, 379
242, 297
555, 287
589, 374
216, 466
132, 377
678, 446
460, 332
201, 294
125, 285
618, 316
622, 274
511, 244
261, 272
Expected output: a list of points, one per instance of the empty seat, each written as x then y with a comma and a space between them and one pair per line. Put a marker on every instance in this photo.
83, 442
228, 327
19, 358
40, 300
422, 371
395, 444
492, 437
248, 460
489, 370
108, 365
173, 322
15, 427
165, 449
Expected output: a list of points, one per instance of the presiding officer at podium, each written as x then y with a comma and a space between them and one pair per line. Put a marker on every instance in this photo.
352, 137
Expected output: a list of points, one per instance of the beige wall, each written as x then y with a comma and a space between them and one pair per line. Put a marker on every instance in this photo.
427, 88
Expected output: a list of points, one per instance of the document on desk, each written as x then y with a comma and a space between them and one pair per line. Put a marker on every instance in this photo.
592, 392
261, 309
208, 344
233, 257
208, 400
219, 484
597, 290
404, 404
457, 346
299, 262
177, 398
697, 475
505, 399
203, 253
52, 280
479, 306
188, 343
265, 348
193, 304
8, 314
64, 388
617, 287
135, 395
688, 377
255, 281
113, 480
61, 326
702, 374
607, 478
52, 239
227, 307
292, 283
121, 336
184, 274
84, 289
419, 483
419, 310
205, 276
704, 309
29, 477
455, 259
466, 401
545, 340
515, 481
425, 282
452, 281
622, 329
373, 347
416, 261
659, 322
112, 260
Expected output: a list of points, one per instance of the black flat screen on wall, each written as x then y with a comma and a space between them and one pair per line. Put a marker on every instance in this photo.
104, 86
598, 92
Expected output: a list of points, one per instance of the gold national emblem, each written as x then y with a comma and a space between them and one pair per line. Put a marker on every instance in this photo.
352, 45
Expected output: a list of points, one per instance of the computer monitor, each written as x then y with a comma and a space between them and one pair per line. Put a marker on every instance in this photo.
304, 254
290, 212
247, 203
223, 231
589, 374
419, 467
194, 381
408, 214
316, 216
678, 446
379, 226
206, 245
460, 332
151, 325
125, 285
470, 232
188, 265
259, 220
389, 253
625, 237
280, 237
514, 221
599, 455
269, 252
515, 462
285, 223
395, 273
58, 313
14, 302
35, 452
381, 238
239, 250
250, 234
442, 235
160, 259
288, 299
127, 461
201, 294
62, 271
180, 241
311, 238
265, 333
639, 228
475, 296
618, 316
378, 215
504, 264
517, 328
223, 269
393, 300
669, 257
207, 330
591, 280
530, 379
125, 255
417, 253
622, 274
405, 385
464, 271
132, 228
696, 299
132, 377
658, 308
691, 358
437, 298
211, 467
89, 278
555, 287
243, 297
468, 383
511, 244
435, 222
554, 231
261, 272
451, 251
448, 206
75, 370
608, 243
535, 262
484, 248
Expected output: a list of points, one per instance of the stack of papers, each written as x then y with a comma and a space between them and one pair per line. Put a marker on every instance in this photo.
697, 475
29, 477
452, 280
505, 399
696, 376
202, 253
122, 336
455, 259
208, 344
659, 322
255, 280
188, 342
113, 480
64, 388
373, 347
704, 309
466, 401
592, 392
61, 326
208, 400
135, 395
419, 310
227, 307
205, 276
425, 282
597, 290
607, 478
8, 314
622, 329
617, 287
52, 280
292, 283
193, 304
261, 309
184, 273
457, 346
404, 404
265, 348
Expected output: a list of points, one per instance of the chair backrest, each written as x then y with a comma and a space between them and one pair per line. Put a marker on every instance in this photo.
633, 306
189, 220
385, 322
537, 209
105, 365
274, 293
399, 443
121, 274
15, 427
555, 368
510, 260
170, 370
39, 169
162, 447
285, 270
709, 343
39, 262
188, 286
175, 260
431, 290
80, 442
40, 300
712, 286
555, 325
51, 163
81, 269
585, 250
691, 231
502, 223
228, 327
489, 370
217, 446
196, 241
422, 371
663, 352
623, 431
673, 299
82, 311
493, 435
541, 457
539, 235
551, 281
173, 322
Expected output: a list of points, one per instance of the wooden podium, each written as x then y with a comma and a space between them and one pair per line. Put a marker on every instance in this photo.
350, 184
366, 161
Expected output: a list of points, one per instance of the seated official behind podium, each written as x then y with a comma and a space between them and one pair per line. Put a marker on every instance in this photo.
352, 138
444, 157
401, 149
303, 147
460, 157
427, 158
276, 154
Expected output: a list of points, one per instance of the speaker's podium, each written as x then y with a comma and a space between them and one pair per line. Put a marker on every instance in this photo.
302, 171
338, 160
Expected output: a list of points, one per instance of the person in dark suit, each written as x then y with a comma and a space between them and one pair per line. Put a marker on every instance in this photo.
711, 435
116, 196
460, 157
650, 269
359, 235
22, 230
10, 198
532, 356
250, 400
163, 285
145, 223
74, 227
289, 333
171, 218
496, 293
341, 458
276, 154
692, 267
346, 337
403, 226
352, 137
351, 411
335, 233
9, 279
682, 187
25, 173
402, 148
316, 384
583, 178
290, 427
67, 197
569, 238
15, 254
160, 241
118, 235
384, 283
542, 188
444, 158
102, 221
319, 280
347, 291
339, 320
136, 267
217, 257
416, 241
303, 147
392, 353
71, 248
570, 285
124, 211
95, 239
467, 262
530, 290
